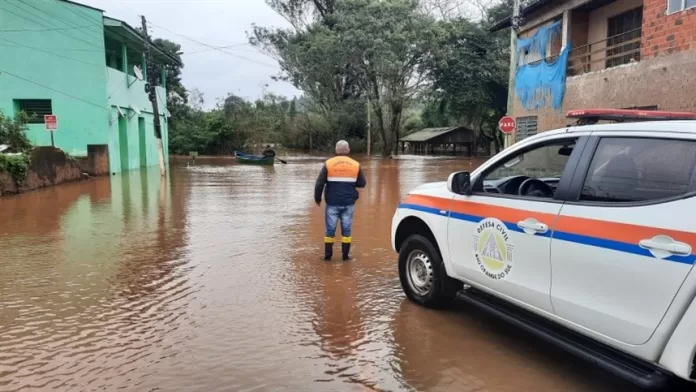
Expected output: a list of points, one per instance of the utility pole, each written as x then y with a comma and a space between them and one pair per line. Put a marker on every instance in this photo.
514, 20
152, 93
369, 129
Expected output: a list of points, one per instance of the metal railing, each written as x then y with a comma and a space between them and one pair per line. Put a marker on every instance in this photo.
611, 52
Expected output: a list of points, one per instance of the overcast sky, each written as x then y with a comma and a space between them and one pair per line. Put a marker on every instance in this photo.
216, 23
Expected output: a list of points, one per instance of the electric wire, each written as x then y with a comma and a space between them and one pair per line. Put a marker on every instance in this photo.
41, 24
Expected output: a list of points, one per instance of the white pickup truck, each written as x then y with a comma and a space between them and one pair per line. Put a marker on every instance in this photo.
584, 236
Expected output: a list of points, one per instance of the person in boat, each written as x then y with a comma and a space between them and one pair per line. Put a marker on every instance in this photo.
339, 179
268, 152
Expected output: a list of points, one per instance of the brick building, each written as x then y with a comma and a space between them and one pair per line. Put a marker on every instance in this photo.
620, 54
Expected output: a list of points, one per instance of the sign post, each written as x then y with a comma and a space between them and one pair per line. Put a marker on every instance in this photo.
507, 126
51, 122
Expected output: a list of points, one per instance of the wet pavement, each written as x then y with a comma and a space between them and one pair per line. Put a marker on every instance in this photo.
210, 281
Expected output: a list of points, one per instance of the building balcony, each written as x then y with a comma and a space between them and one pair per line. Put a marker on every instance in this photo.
605, 35
611, 52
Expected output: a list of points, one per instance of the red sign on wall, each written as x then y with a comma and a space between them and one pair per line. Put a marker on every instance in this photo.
507, 125
51, 122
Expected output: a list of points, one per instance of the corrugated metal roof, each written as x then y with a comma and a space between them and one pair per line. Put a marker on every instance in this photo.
427, 134
526, 8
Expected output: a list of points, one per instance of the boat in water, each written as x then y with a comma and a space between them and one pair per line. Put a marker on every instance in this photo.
253, 159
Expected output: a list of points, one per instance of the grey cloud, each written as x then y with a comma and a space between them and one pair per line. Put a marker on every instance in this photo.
216, 23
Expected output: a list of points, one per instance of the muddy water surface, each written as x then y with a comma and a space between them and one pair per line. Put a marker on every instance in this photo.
211, 281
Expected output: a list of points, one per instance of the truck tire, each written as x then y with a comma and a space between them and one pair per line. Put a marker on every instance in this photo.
422, 274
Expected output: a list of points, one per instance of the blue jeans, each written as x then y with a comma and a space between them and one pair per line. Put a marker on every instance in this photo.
331, 217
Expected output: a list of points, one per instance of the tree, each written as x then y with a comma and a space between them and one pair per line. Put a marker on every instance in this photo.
389, 41
313, 60
302, 13
13, 133
470, 76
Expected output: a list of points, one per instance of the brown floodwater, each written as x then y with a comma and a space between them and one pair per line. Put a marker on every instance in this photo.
211, 281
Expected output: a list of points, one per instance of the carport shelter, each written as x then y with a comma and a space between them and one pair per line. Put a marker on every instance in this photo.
450, 140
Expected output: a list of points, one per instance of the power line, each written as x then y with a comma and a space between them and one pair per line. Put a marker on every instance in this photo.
107, 109
41, 30
34, 21
213, 47
78, 10
54, 54
219, 47
52, 89
53, 18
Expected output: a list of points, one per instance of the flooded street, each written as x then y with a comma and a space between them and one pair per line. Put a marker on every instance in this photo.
212, 282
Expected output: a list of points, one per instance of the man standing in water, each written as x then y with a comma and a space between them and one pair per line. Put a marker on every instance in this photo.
339, 179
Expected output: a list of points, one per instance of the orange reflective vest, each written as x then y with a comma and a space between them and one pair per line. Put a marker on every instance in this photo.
338, 180
342, 169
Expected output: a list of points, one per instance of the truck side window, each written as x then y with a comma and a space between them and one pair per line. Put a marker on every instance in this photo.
543, 162
639, 169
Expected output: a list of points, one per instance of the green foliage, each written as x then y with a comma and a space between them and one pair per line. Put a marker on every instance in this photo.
235, 124
342, 52
13, 132
469, 70
351, 50
16, 165
412, 70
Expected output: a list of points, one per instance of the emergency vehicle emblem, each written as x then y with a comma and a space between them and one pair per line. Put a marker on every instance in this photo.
493, 248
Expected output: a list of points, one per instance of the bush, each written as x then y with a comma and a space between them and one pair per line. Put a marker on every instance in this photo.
14, 132
16, 165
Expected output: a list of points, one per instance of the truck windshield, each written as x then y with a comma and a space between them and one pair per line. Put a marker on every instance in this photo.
543, 162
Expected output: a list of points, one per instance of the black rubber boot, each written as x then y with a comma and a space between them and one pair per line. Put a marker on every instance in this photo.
328, 252
346, 252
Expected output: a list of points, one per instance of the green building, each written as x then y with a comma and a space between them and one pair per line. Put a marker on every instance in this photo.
67, 59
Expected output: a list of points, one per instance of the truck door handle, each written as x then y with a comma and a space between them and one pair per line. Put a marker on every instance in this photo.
532, 226
662, 246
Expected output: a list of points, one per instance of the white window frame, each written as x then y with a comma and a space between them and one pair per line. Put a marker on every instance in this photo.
681, 8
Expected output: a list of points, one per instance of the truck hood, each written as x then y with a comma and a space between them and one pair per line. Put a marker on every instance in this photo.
425, 188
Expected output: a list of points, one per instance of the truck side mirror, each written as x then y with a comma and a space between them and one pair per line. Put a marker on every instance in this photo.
459, 183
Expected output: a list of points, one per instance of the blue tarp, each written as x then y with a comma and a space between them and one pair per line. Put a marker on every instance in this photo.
536, 83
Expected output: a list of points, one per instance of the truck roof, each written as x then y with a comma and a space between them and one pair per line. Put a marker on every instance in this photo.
681, 126
592, 116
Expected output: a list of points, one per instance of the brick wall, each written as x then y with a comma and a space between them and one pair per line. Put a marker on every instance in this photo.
666, 81
667, 34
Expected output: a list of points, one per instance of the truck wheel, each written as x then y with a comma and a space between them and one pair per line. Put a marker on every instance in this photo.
422, 274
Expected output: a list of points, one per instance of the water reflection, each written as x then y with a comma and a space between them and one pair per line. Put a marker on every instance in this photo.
211, 280
89, 302
468, 350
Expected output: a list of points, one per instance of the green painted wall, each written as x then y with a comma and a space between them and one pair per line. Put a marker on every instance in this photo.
66, 66
142, 139
57, 52
123, 141
132, 99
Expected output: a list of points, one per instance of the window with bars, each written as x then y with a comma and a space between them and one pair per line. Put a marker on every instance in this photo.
679, 5
35, 109
623, 37
526, 127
